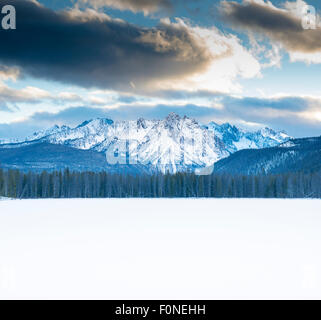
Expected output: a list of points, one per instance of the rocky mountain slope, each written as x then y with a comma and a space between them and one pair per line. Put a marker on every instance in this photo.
170, 145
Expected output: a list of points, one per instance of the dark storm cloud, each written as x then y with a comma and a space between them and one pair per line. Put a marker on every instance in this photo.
93, 50
279, 25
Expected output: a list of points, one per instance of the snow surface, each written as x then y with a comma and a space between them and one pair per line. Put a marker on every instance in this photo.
160, 249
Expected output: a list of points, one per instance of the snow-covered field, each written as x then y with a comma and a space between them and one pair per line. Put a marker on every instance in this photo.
160, 249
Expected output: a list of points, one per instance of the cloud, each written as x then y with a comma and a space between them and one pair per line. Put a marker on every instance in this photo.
28, 94
76, 115
299, 116
9, 97
7, 73
280, 103
145, 6
280, 25
4, 107
90, 49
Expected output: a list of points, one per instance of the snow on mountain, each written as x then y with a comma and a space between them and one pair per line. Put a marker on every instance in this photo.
3, 141
172, 144
44, 133
236, 139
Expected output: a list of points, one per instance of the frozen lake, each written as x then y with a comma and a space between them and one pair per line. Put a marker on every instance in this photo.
160, 249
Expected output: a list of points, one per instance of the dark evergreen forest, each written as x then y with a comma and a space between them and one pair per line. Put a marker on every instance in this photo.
67, 184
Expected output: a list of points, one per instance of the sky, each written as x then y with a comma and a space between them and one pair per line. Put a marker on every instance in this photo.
252, 63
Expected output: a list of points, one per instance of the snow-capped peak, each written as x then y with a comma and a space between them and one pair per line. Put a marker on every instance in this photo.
44, 133
173, 144
236, 138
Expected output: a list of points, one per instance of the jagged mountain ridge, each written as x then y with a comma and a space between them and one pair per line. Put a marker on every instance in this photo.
236, 139
172, 144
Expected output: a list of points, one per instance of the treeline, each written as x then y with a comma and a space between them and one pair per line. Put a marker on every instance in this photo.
17, 184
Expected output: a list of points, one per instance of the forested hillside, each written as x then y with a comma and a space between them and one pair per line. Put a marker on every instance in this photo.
67, 184
292, 156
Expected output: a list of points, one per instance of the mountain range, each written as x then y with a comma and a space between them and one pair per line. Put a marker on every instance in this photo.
174, 144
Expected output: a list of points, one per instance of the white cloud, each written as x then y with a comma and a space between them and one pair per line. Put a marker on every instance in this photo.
7, 73
27, 94
229, 60
145, 6
309, 58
